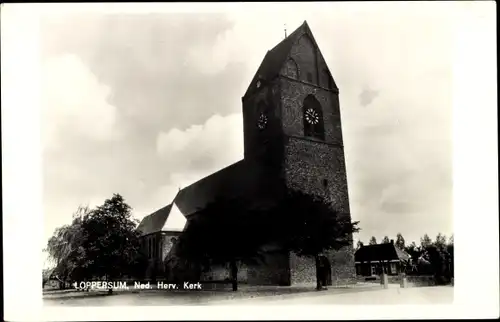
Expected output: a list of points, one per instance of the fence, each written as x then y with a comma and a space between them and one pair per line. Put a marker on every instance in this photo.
411, 281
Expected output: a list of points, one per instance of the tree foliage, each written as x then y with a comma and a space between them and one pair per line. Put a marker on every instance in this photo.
400, 241
224, 232
308, 226
111, 241
441, 241
434, 258
385, 240
65, 248
425, 241
373, 241
359, 244
100, 242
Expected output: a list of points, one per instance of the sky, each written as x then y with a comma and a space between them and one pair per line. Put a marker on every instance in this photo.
143, 104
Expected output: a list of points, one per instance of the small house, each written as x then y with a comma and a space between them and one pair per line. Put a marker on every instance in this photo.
372, 260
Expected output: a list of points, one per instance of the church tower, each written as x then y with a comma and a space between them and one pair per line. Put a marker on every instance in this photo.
292, 123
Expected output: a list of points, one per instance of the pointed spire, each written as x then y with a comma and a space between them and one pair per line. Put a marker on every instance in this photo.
285, 30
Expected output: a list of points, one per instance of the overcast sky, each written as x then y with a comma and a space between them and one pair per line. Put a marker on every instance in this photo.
142, 104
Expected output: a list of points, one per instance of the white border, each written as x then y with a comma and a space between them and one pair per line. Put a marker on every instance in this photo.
475, 183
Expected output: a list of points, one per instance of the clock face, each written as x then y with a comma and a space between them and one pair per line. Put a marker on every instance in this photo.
262, 121
258, 84
312, 116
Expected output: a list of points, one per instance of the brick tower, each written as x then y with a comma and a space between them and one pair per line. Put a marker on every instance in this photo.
292, 125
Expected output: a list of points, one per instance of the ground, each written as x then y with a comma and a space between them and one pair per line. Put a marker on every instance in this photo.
363, 294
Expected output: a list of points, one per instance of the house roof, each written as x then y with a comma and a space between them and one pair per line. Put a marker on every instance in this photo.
154, 222
380, 252
275, 58
402, 254
239, 180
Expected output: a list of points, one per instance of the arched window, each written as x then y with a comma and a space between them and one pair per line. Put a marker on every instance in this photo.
291, 69
313, 118
307, 60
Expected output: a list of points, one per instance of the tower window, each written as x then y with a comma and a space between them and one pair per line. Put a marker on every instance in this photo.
309, 77
325, 183
313, 118
291, 69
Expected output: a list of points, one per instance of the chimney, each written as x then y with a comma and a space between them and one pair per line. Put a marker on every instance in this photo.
392, 241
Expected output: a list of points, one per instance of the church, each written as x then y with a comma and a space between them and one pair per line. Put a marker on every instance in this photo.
292, 135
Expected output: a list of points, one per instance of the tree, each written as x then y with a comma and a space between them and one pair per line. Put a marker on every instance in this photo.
99, 242
451, 256
359, 245
437, 259
414, 251
385, 240
111, 241
65, 248
440, 242
440, 255
425, 241
400, 241
308, 226
47, 275
223, 233
373, 241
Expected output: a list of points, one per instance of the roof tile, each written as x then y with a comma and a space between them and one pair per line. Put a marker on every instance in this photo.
154, 222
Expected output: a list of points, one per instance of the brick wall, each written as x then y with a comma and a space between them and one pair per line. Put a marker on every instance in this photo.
343, 267
304, 54
309, 163
274, 271
293, 94
216, 273
302, 269
167, 243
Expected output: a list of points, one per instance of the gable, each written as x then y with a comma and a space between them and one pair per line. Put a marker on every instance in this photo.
175, 221
297, 49
312, 67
